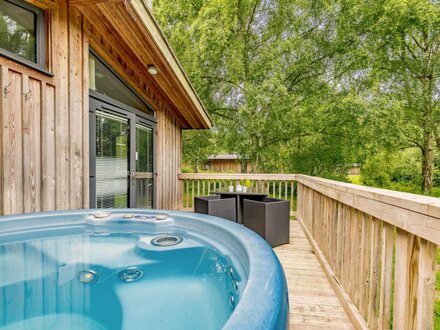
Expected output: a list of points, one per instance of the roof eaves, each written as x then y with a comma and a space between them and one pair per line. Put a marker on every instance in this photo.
138, 5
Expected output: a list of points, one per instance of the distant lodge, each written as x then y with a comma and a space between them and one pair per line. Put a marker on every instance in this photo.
232, 163
355, 169
225, 163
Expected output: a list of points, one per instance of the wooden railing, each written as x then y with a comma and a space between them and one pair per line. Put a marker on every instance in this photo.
280, 186
377, 247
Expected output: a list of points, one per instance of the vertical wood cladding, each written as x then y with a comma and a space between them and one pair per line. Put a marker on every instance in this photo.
168, 160
44, 134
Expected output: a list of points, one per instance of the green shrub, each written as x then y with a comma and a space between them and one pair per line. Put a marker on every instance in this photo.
397, 171
187, 170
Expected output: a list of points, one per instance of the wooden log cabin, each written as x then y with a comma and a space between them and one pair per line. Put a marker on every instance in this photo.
93, 102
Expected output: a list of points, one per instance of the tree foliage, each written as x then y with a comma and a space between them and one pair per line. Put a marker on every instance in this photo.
312, 86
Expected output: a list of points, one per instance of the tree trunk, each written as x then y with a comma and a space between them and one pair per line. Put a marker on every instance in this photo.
427, 162
428, 126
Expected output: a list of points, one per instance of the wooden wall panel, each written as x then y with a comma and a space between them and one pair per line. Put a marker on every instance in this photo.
44, 136
27, 137
76, 108
85, 119
12, 142
48, 148
224, 165
42, 120
31, 144
168, 159
60, 29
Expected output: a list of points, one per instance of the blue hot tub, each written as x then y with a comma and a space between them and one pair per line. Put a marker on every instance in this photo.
137, 269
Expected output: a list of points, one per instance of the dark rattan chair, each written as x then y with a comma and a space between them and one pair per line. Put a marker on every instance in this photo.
269, 218
216, 206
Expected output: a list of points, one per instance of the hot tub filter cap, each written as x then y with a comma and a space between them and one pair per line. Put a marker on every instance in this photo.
166, 240
101, 214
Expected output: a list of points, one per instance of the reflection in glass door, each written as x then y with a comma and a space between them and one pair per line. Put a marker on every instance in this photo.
144, 166
121, 166
112, 160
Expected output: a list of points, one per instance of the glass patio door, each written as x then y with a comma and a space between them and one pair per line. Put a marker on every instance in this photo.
144, 166
121, 157
112, 160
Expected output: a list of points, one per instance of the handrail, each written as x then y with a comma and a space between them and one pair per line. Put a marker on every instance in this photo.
416, 214
236, 176
378, 247
418, 203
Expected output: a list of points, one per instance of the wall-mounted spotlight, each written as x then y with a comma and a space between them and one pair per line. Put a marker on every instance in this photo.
152, 70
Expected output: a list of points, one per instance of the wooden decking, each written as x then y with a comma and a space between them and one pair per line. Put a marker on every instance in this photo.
313, 303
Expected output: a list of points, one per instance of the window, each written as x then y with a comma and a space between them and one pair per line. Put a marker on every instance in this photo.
22, 32
105, 82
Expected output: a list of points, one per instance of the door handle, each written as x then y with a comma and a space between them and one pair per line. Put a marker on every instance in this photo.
133, 177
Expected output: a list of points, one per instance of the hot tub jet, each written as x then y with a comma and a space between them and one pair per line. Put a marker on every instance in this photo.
131, 274
87, 276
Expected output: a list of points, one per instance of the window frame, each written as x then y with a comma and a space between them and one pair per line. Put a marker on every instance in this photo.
151, 115
40, 38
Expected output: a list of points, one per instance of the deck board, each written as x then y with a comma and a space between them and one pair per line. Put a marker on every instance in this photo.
313, 303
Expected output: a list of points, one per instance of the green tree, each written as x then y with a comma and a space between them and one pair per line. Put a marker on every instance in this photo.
197, 146
263, 76
401, 41
312, 86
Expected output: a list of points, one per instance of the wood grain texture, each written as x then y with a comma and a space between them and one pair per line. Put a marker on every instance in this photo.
361, 266
48, 182
62, 133
236, 176
12, 148
313, 303
127, 37
3, 104
76, 108
31, 144
169, 64
85, 118
404, 246
418, 217
168, 156
387, 246
42, 115
45, 130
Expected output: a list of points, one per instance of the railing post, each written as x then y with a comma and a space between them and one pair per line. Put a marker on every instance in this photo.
299, 200
180, 194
